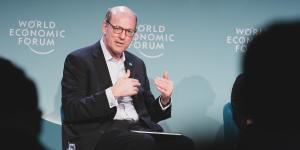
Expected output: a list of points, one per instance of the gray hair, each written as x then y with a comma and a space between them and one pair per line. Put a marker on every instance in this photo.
109, 13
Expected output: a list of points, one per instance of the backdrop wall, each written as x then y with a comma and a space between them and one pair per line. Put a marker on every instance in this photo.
199, 42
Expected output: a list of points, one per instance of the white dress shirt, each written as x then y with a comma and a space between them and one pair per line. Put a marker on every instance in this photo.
125, 107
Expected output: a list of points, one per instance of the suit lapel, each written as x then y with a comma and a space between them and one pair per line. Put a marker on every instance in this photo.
101, 66
129, 64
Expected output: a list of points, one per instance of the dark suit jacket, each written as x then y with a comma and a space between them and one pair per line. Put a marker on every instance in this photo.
86, 112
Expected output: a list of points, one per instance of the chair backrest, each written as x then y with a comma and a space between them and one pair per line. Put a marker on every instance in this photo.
63, 134
231, 130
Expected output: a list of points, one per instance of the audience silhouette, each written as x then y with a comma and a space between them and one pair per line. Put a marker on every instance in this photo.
20, 115
270, 94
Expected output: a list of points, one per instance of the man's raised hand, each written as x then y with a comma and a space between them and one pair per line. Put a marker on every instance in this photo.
126, 86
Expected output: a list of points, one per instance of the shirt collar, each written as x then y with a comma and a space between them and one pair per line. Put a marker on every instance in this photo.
106, 53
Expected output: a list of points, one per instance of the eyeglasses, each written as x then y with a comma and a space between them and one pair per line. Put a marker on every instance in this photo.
119, 30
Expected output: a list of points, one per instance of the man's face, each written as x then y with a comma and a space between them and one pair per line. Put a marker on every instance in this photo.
116, 42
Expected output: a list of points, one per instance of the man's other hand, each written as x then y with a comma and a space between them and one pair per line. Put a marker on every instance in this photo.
165, 86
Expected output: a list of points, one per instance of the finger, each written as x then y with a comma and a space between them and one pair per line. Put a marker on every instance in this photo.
134, 80
127, 74
135, 83
166, 75
156, 82
161, 82
164, 82
136, 89
161, 86
161, 90
160, 79
167, 88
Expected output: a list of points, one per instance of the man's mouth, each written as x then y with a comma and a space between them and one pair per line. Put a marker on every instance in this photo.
119, 43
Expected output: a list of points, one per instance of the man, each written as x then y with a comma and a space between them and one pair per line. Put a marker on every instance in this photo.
270, 94
106, 93
20, 116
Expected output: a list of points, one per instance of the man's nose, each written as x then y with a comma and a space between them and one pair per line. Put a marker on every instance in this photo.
123, 34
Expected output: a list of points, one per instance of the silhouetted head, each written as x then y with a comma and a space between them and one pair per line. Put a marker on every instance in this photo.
271, 67
19, 103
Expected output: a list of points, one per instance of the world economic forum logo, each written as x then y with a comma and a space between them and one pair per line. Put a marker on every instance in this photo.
241, 37
151, 40
39, 36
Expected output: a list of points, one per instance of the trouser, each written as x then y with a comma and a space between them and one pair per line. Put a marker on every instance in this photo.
119, 137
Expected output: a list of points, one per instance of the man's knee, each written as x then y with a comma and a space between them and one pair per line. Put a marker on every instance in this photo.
126, 140
187, 143
177, 143
144, 141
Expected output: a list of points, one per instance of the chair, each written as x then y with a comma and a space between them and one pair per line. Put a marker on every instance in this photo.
64, 144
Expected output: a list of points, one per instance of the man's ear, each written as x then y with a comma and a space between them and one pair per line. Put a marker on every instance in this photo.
104, 27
